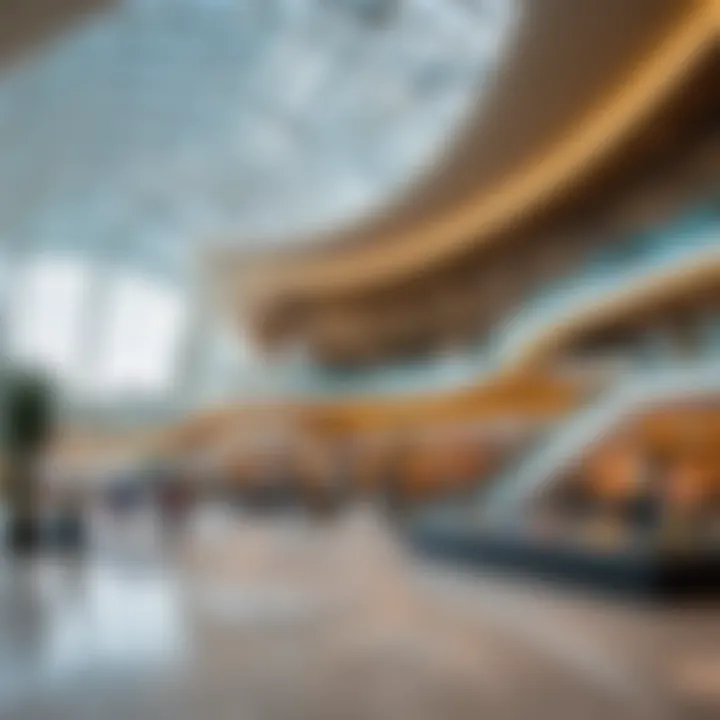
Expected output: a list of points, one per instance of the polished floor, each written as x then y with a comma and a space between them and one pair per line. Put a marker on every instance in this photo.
281, 618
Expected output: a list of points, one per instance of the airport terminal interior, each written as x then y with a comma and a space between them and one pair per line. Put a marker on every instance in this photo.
359, 359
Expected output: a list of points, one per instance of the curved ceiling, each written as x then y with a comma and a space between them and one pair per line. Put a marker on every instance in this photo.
605, 65
161, 122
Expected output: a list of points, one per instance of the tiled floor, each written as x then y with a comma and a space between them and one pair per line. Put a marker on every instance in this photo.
282, 618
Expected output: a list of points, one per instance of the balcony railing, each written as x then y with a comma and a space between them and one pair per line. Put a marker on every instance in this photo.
694, 239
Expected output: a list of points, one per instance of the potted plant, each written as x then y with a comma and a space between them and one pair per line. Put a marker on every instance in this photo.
26, 419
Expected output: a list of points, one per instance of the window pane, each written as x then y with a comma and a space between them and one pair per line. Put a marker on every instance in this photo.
46, 316
140, 342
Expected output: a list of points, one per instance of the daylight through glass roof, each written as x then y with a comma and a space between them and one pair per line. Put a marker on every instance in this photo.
170, 119
162, 123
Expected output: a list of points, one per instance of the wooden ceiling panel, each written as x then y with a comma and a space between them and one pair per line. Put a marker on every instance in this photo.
26, 24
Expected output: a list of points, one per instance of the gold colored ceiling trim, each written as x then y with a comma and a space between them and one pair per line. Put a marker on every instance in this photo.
480, 219
679, 282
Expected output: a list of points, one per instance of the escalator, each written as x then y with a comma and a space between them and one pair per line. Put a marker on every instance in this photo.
506, 526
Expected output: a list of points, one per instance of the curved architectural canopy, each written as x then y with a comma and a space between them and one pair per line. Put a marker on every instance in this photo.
149, 127
581, 79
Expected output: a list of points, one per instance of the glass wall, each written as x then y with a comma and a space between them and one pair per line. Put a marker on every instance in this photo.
103, 334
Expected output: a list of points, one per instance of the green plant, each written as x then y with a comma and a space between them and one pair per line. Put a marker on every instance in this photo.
26, 419
27, 414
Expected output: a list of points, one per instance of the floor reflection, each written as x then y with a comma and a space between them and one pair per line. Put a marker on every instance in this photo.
63, 622
284, 618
